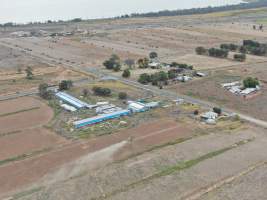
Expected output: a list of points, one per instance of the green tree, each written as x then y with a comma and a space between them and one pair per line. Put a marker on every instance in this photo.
126, 73
201, 51
240, 57
65, 85
113, 63
123, 95
144, 78
217, 110
250, 82
143, 63
43, 91
219, 53
153, 55
100, 91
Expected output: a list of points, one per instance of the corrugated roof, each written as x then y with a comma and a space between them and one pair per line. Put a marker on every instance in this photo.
101, 116
72, 100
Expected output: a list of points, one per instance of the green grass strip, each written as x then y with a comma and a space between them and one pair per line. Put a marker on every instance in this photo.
19, 111
183, 165
23, 156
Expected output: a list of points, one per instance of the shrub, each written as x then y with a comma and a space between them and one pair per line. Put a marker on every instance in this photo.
123, 95
240, 57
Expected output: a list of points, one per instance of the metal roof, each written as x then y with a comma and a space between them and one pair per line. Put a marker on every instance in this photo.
72, 100
121, 112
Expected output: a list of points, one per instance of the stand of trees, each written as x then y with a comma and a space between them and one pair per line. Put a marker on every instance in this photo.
218, 53
159, 78
181, 66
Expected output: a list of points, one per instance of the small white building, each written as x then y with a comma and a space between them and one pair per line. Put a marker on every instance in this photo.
248, 91
200, 74
184, 78
68, 107
228, 85
209, 115
136, 107
154, 65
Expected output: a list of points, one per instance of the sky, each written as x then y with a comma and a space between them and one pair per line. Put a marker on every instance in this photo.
23, 11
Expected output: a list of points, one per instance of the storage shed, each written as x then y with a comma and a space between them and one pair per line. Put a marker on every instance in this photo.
100, 118
73, 100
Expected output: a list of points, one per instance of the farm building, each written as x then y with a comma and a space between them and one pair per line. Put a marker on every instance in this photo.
72, 100
68, 107
100, 118
209, 115
152, 105
136, 107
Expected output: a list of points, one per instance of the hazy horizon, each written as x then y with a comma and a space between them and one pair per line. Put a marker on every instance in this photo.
42, 10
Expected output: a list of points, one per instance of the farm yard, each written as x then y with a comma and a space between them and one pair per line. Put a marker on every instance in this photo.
166, 151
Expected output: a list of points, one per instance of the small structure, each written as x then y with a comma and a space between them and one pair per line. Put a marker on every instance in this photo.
209, 116
136, 107
100, 118
249, 91
184, 78
154, 65
73, 101
151, 105
68, 108
229, 85
107, 108
200, 74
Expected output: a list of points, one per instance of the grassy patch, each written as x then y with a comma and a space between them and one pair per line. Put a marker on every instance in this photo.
19, 111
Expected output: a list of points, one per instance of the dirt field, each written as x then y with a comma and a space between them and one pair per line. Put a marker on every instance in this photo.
24, 119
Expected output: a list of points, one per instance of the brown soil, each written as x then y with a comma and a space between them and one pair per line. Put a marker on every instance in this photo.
23, 173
